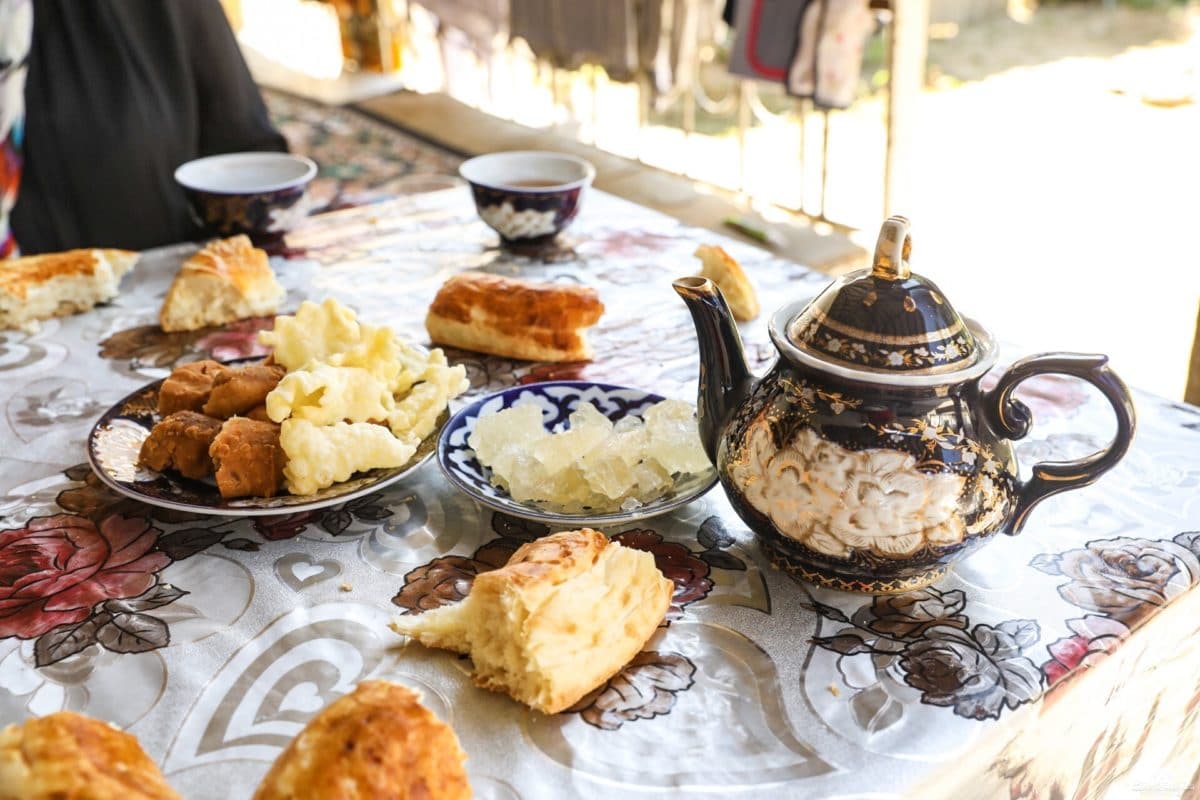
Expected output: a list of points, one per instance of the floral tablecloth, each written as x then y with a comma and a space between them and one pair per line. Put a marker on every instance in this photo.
1059, 663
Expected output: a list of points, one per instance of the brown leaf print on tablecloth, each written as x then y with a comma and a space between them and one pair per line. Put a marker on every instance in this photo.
978, 673
151, 346
645, 688
277, 527
448, 579
926, 639
442, 581
94, 500
911, 615
121, 626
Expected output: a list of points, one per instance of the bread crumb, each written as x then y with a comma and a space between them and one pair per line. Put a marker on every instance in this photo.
346, 587
834, 690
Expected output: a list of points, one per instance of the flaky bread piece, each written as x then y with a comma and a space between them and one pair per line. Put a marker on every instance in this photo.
69, 755
39, 287
378, 741
723, 270
559, 619
227, 280
514, 318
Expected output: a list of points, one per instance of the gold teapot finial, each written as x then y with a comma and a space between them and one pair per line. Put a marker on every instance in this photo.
892, 250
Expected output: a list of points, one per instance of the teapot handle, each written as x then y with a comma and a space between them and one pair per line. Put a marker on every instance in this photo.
1011, 419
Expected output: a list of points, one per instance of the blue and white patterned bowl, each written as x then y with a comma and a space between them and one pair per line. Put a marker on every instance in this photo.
557, 400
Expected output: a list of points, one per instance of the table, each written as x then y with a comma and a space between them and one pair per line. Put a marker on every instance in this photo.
1059, 663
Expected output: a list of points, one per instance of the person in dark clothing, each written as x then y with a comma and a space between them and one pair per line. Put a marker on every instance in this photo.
119, 93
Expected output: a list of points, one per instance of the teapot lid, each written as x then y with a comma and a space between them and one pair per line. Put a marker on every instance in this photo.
885, 319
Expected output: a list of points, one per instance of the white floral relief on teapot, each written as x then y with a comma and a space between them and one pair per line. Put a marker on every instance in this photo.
835, 500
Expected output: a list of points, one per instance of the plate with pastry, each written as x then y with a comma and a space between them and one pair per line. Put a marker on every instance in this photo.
338, 410
577, 453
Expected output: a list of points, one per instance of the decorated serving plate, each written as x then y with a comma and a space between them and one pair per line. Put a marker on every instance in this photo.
557, 399
117, 438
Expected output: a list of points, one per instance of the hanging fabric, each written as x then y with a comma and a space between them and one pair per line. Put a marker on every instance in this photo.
571, 33
765, 44
483, 22
827, 64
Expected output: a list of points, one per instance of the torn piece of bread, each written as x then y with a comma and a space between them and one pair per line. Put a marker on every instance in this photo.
514, 318
377, 741
39, 287
559, 619
723, 270
227, 280
69, 755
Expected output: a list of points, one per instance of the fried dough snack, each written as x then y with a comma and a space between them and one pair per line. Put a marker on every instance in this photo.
239, 389
181, 442
248, 458
188, 387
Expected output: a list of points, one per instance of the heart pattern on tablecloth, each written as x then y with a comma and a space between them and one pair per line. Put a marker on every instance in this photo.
299, 571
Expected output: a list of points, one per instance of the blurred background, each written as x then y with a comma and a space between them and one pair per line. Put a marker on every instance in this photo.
1046, 153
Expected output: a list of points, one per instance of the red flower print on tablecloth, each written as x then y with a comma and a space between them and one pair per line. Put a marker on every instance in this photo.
1094, 637
55, 569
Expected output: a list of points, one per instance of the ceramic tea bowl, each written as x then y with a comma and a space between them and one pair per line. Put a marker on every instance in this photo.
527, 196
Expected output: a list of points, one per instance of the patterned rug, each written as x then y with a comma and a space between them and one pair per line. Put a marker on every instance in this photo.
362, 160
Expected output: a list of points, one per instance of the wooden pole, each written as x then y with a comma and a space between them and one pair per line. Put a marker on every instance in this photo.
906, 78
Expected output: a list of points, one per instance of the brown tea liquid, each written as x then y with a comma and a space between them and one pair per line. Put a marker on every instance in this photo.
533, 184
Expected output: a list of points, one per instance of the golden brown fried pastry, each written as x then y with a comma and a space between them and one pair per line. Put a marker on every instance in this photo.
181, 442
514, 318
248, 458
559, 619
258, 413
188, 386
723, 270
38, 287
239, 389
376, 742
67, 755
230, 279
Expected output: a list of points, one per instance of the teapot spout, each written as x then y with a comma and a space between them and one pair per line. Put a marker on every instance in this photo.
725, 378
